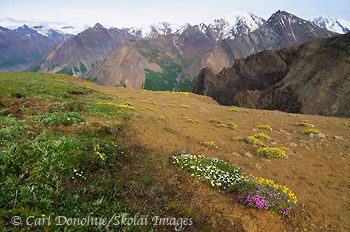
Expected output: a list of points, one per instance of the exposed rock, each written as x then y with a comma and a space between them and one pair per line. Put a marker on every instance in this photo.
248, 154
235, 154
293, 144
321, 135
312, 78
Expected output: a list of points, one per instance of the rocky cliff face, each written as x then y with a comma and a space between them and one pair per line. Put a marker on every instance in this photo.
312, 78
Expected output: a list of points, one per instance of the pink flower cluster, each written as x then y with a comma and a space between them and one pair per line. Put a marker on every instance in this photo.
262, 198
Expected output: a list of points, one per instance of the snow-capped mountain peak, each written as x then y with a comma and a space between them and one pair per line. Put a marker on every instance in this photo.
340, 26
236, 24
154, 30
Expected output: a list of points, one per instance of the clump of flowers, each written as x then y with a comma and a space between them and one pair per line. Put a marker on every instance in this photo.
172, 130
232, 126
185, 106
342, 123
253, 140
262, 193
105, 150
312, 131
126, 107
255, 166
143, 101
78, 175
304, 123
191, 120
163, 118
237, 138
148, 108
261, 136
254, 192
273, 152
210, 144
214, 120
266, 127
118, 123
97, 150
220, 174
220, 125
234, 108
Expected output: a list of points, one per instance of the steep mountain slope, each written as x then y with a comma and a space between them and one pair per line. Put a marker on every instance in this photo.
281, 30
82, 52
154, 64
311, 78
336, 25
151, 64
21, 47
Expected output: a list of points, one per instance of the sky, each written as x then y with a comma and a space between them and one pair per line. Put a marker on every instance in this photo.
128, 13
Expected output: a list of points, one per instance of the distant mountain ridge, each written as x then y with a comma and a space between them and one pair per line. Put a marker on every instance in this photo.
336, 25
21, 47
82, 52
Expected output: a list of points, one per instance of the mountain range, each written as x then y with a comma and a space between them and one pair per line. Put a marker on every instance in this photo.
162, 56
167, 60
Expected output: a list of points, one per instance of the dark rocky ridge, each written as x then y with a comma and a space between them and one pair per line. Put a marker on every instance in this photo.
312, 78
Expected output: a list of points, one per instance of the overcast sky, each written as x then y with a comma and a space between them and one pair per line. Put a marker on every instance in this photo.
123, 13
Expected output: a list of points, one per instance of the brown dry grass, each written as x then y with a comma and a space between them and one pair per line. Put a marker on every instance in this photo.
317, 171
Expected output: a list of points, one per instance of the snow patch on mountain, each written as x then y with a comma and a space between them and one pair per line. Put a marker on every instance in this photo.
236, 24
42, 27
340, 26
154, 30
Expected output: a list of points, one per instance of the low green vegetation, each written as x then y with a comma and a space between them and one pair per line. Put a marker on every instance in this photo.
53, 161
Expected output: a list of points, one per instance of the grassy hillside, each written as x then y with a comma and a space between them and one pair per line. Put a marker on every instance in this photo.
60, 153
74, 148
